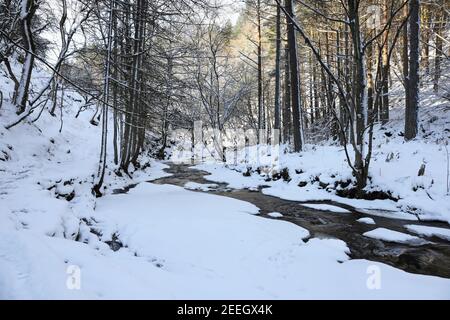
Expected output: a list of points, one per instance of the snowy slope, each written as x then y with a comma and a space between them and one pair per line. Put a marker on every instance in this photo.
46, 175
41, 167
215, 250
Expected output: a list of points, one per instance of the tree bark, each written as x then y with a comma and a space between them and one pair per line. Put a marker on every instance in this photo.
260, 84
287, 123
27, 11
440, 22
413, 81
106, 87
277, 70
295, 81
384, 114
360, 96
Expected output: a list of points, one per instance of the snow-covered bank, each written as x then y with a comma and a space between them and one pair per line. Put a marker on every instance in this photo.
321, 172
430, 231
394, 236
48, 166
182, 244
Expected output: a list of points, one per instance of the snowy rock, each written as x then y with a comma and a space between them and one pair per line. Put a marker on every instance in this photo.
366, 220
199, 186
325, 207
427, 231
394, 236
275, 214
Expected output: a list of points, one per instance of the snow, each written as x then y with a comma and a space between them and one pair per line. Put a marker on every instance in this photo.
23, 9
366, 220
234, 178
393, 236
316, 172
429, 231
200, 186
275, 215
328, 164
325, 207
321, 167
389, 214
172, 243
220, 250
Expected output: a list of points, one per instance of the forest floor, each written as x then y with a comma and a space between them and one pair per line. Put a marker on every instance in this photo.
164, 239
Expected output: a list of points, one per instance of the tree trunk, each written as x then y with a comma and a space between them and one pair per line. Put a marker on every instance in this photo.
26, 17
349, 114
287, 123
277, 70
404, 54
260, 85
439, 30
311, 90
106, 87
295, 86
413, 82
426, 38
316, 92
384, 114
360, 95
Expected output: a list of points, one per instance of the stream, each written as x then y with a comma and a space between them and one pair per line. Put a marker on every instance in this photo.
429, 259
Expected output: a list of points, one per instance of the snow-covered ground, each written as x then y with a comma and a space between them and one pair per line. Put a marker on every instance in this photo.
175, 248
156, 241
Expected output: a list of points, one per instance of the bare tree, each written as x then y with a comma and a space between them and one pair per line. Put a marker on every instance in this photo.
355, 99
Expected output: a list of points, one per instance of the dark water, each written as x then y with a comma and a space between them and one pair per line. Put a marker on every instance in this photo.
430, 259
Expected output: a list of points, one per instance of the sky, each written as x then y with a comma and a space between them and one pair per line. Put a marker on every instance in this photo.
231, 9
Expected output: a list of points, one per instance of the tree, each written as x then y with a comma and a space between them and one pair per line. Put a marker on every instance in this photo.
287, 114
384, 112
440, 23
106, 88
277, 70
295, 80
354, 97
413, 74
260, 67
27, 11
